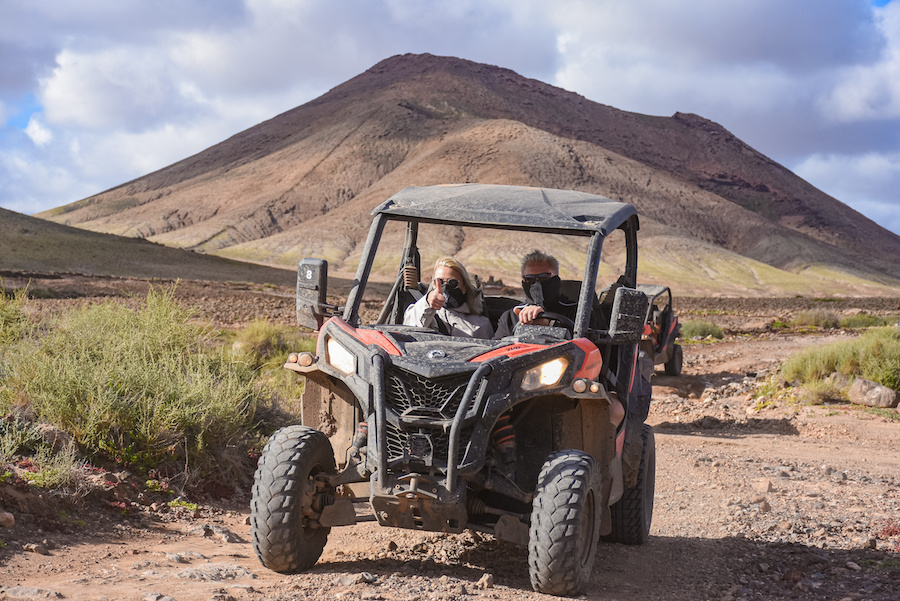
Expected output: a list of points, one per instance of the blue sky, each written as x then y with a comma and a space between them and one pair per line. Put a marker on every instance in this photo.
97, 92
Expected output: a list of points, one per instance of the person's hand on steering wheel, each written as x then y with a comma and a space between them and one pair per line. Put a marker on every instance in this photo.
530, 314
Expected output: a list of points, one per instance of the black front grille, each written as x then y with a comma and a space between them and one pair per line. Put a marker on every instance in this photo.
398, 439
405, 390
410, 394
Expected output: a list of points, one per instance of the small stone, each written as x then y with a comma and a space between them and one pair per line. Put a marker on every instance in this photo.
37, 548
763, 486
392, 546
765, 507
872, 394
851, 565
352, 579
7, 520
486, 581
157, 597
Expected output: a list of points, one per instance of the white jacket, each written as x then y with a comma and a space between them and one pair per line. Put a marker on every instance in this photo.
458, 320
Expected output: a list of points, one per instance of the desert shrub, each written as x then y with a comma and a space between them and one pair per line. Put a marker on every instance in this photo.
17, 437
144, 388
866, 320
875, 356
23, 449
818, 318
14, 323
265, 347
817, 392
265, 343
700, 329
53, 469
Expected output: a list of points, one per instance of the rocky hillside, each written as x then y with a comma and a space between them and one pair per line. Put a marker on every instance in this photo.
717, 216
35, 246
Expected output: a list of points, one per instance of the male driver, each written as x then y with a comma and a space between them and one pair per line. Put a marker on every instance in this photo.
541, 283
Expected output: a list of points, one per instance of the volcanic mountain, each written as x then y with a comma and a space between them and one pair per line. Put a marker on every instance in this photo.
716, 215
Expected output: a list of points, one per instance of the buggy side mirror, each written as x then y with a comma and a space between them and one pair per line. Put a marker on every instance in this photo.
629, 313
312, 286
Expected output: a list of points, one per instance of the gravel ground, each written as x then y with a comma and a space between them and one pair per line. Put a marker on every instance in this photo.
781, 502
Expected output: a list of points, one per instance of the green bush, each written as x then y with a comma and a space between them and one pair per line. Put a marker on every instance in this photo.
266, 344
874, 356
865, 320
700, 329
151, 389
817, 318
265, 347
14, 323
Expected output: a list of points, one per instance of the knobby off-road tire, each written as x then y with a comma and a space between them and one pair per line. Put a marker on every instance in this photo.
631, 515
676, 362
283, 489
565, 524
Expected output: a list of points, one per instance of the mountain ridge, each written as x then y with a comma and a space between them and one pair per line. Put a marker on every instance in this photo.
311, 175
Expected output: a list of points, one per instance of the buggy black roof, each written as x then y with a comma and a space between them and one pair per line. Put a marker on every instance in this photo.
514, 207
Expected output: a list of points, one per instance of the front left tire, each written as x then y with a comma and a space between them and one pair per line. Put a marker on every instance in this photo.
287, 499
565, 524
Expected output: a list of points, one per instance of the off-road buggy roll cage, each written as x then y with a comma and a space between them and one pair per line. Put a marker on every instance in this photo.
539, 210
414, 414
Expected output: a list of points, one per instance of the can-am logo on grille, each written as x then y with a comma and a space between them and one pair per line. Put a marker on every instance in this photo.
436, 354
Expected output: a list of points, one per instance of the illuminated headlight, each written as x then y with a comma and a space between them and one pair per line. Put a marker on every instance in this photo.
544, 375
339, 357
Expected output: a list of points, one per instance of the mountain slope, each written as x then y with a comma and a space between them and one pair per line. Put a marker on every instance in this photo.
31, 244
304, 182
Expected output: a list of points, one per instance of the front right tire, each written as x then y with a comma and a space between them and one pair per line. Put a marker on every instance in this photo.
632, 514
565, 523
286, 497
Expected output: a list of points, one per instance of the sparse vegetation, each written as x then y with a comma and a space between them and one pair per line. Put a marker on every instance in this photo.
817, 318
700, 329
875, 356
151, 390
867, 320
14, 323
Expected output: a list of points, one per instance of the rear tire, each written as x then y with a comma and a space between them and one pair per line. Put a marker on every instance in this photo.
632, 514
284, 538
565, 524
676, 362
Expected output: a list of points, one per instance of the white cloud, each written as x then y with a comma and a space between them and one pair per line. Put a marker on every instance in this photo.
121, 87
868, 183
39, 134
871, 91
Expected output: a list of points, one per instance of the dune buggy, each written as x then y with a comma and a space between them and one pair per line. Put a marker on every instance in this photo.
537, 438
663, 328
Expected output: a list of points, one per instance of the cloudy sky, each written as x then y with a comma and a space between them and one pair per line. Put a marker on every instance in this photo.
97, 92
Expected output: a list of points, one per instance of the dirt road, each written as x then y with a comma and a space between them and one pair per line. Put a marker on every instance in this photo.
786, 502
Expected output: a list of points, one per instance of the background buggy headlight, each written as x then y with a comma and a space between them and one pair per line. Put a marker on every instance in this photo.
544, 375
339, 357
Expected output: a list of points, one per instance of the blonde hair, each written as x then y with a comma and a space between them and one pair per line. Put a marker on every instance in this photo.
472, 283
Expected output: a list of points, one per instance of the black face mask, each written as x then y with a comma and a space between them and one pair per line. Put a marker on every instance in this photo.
545, 294
453, 294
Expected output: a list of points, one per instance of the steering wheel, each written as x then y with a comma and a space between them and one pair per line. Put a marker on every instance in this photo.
558, 317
